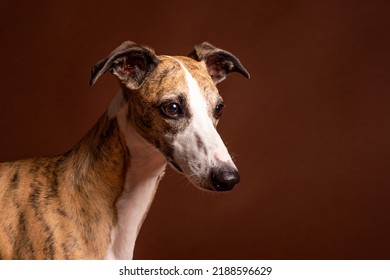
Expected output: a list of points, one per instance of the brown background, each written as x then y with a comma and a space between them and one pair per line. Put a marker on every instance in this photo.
310, 129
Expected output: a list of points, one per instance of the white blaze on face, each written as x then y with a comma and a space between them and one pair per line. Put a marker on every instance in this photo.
199, 148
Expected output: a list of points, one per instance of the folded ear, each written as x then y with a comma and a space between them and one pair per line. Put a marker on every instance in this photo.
130, 62
219, 62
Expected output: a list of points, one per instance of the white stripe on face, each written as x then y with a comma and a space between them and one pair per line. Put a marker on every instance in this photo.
199, 148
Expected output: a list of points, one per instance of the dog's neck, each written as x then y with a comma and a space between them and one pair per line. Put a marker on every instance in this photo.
146, 168
117, 172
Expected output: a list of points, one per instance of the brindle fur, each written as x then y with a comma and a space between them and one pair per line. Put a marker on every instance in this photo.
64, 207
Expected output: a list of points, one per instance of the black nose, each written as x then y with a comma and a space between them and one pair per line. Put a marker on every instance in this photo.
224, 179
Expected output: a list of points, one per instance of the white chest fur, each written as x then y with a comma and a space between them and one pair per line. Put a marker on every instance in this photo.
146, 166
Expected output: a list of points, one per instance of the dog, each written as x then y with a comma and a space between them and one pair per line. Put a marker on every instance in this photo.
90, 202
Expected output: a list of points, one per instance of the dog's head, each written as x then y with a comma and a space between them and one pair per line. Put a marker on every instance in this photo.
174, 105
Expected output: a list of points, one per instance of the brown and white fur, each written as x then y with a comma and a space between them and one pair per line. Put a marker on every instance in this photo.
90, 202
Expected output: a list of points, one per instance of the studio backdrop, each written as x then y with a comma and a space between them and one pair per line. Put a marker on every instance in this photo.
309, 131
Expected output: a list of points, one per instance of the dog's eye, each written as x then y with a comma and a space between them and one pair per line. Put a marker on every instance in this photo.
171, 109
218, 110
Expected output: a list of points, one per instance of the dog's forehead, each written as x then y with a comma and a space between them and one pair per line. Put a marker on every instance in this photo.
199, 71
169, 78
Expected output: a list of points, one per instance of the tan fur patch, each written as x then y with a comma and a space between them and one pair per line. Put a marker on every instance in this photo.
49, 211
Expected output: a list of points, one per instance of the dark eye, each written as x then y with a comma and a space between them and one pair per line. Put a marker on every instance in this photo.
171, 109
218, 110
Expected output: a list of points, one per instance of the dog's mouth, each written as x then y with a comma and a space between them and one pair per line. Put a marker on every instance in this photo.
175, 166
220, 179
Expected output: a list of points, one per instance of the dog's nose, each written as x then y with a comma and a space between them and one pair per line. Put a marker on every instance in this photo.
224, 179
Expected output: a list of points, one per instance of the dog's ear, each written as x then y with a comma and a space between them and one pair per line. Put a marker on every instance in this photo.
130, 62
219, 62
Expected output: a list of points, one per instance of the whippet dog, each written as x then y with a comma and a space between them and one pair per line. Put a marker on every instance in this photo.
90, 202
